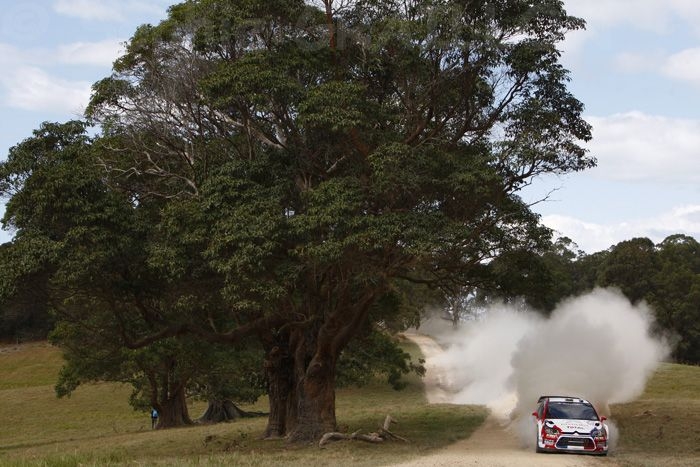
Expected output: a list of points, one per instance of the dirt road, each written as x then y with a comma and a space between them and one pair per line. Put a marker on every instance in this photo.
494, 444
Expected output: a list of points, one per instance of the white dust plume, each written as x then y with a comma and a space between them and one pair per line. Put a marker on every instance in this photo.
597, 346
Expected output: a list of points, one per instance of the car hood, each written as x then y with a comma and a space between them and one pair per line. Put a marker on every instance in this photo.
577, 426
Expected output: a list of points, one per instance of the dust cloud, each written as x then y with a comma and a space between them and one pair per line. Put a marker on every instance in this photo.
597, 346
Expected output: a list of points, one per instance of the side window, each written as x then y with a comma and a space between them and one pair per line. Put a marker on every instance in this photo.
540, 410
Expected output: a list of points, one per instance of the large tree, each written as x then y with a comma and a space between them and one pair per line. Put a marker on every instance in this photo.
89, 253
303, 164
336, 151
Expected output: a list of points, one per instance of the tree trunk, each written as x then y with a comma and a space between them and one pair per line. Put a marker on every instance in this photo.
301, 390
315, 401
173, 411
302, 377
279, 368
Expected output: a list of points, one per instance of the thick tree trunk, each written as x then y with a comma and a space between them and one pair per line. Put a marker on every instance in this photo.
173, 410
301, 389
302, 373
279, 368
316, 401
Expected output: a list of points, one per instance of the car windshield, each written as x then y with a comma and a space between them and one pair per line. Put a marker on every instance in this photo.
571, 411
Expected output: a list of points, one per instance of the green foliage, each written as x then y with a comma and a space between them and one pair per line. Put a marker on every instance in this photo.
376, 354
108, 276
335, 107
385, 142
268, 167
24, 303
232, 372
631, 266
675, 295
247, 230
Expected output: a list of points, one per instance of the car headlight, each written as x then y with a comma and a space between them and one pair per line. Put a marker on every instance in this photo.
550, 430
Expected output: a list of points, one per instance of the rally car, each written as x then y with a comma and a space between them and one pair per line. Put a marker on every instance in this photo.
569, 424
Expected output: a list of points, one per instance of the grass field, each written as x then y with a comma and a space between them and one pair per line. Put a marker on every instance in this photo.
662, 427
96, 426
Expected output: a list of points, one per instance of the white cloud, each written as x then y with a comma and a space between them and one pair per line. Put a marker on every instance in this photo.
649, 15
638, 147
10, 55
26, 84
656, 16
89, 9
593, 237
101, 53
630, 62
31, 88
684, 65
109, 10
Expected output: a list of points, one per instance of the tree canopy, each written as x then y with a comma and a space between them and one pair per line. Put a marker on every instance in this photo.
280, 171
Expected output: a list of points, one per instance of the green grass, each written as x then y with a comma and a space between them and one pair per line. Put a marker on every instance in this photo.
662, 427
96, 426
28, 365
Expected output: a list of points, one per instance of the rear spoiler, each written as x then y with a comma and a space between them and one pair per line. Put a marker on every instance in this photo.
562, 397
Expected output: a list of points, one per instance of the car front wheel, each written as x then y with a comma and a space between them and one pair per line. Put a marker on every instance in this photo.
538, 449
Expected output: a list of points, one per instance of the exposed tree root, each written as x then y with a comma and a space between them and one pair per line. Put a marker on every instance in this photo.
224, 411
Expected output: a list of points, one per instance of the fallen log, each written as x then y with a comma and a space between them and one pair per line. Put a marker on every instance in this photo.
385, 433
382, 434
334, 436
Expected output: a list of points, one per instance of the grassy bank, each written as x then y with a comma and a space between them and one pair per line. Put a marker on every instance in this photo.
96, 426
662, 427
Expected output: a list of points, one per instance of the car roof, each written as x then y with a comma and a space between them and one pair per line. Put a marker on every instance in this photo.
576, 400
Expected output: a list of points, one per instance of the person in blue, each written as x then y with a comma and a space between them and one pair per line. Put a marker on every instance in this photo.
154, 418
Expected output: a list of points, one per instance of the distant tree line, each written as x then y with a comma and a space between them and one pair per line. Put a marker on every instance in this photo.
665, 275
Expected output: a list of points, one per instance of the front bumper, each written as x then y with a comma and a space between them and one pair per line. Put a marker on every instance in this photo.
568, 442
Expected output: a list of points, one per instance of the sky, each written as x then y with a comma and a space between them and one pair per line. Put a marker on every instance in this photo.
636, 68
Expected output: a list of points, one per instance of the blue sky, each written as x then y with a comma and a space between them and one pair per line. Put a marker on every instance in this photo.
636, 68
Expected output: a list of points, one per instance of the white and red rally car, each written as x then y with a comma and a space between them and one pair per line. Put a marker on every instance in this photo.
570, 424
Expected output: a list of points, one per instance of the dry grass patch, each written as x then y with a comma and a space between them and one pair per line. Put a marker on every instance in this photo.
28, 365
662, 427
